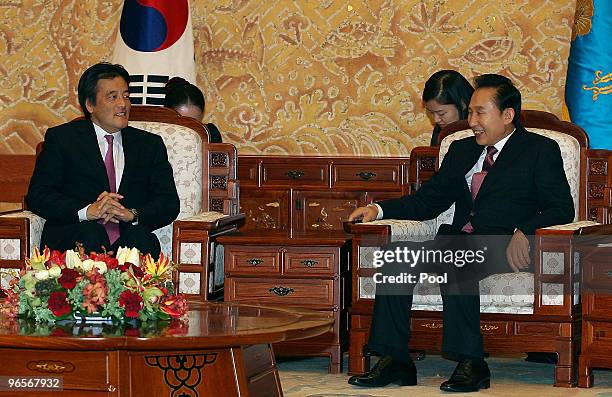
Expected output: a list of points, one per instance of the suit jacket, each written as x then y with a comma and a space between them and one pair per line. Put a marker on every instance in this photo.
526, 188
70, 174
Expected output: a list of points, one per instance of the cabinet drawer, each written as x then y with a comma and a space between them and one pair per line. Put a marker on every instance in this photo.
310, 261
294, 175
347, 175
257, 359
79, 370
598, 275
601, 306
247, 171
252, 260
303, 293
600, 334
539, 329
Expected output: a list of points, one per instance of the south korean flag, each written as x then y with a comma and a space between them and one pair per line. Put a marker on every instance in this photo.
155, 43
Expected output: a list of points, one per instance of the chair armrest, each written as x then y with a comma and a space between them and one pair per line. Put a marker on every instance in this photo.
20, 232
210, 221
396, 229
568, 228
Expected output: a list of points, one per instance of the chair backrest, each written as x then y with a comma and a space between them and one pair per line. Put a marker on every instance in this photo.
572, 141
185, 141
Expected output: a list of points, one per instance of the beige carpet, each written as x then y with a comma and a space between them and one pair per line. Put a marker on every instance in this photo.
510, 377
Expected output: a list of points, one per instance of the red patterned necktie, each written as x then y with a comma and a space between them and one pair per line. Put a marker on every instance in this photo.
112, 229
478, 179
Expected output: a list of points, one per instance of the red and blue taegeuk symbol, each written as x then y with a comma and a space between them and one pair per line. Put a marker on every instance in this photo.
153, 25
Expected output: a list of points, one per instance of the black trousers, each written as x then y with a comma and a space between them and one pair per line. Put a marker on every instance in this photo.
461, 337
93, 237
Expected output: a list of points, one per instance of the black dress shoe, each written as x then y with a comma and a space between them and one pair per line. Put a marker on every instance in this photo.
387, 370
470, 375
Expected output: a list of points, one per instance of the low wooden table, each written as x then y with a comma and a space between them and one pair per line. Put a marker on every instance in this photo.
596, 263
224, 350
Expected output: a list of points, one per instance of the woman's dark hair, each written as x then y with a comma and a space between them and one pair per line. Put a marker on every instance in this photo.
181, 92
88, 83
449, 87
506, 94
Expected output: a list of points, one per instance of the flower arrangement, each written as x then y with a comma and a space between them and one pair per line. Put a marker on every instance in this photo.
72, 285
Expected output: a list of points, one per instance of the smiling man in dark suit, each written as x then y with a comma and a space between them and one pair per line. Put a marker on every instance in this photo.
98, 181
505, 182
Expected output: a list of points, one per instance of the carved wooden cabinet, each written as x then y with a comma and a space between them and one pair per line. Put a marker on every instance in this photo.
304, 271
596, 310
310, 194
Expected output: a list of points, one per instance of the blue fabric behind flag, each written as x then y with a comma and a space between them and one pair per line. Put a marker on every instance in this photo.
588, 90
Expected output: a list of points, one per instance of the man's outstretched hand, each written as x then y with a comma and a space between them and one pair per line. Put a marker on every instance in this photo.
366, 214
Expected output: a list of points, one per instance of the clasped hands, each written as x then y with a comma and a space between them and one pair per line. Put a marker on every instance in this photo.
107, 208
517, 251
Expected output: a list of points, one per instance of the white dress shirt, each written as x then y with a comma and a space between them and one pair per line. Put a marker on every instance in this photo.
118, 157
476, 168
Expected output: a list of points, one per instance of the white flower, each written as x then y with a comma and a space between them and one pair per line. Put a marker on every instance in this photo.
73, 260
42, 274
101, 266
134, 257
87, 265
122, 254
55, 271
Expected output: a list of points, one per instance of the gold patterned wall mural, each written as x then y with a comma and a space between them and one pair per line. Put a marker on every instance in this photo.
326, 77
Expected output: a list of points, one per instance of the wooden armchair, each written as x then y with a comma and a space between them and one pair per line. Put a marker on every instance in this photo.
520, 312
205, 176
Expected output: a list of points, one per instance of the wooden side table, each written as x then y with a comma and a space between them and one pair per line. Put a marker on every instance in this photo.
596, 261
301, 271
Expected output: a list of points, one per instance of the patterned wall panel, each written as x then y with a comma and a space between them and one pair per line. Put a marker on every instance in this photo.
294, 76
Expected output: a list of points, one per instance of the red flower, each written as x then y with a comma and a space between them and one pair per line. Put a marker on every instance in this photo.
68, 279
111, 263
138, 272
132, 303
57, 257
58, 304
174, 306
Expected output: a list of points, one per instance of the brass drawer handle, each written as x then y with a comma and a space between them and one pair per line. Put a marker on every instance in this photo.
295, 174
281, 291
366, 175
309, 262
255, 261
488, 327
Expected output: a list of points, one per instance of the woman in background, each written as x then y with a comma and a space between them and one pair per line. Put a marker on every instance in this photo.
188, 100
446, 97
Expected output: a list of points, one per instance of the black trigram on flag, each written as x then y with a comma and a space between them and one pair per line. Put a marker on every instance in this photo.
147, 89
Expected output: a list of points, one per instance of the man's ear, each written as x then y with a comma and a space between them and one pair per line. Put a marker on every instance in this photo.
508, 115
88, 106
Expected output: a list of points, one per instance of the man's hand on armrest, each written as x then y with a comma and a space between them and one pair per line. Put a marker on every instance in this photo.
366, 214
517, 251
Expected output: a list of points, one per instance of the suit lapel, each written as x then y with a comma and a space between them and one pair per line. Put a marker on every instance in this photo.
510, 152
93, 157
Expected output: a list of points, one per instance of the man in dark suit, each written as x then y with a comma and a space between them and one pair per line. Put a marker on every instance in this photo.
505, 183
98, 181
